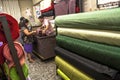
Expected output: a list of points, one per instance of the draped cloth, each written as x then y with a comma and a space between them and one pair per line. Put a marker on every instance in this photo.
61, 8
72, 6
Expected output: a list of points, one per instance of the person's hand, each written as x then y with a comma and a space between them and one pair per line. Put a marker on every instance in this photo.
43, 32
33, 32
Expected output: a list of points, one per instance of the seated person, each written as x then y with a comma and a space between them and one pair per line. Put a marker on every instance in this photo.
45, 29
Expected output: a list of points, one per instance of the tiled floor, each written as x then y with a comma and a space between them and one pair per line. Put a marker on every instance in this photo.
43, 70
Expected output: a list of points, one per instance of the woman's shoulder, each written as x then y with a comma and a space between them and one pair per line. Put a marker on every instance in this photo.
23, 28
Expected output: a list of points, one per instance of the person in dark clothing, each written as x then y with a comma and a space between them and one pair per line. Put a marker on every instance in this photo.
21, 22
28, 39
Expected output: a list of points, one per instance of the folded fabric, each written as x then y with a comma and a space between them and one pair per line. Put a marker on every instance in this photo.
102, 36
20, 53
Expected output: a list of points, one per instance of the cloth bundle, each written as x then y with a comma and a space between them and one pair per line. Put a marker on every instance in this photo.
5, 57
20, 53
10, 66
14, 29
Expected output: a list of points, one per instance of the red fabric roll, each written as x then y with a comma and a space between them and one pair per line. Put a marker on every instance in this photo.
2, 59
13, 25
14, 29
20, 53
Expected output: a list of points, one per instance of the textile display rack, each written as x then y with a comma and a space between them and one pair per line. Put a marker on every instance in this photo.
12, 47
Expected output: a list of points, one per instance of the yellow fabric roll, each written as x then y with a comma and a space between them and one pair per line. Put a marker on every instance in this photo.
72, 72
102, 36
62, 74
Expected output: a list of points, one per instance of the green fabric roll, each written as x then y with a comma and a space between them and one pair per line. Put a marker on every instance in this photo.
104, 19
72, 72
102, 36
62, 74
104, 54
12, 72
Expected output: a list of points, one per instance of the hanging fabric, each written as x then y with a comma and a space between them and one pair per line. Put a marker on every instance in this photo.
72, 6
61, 8
46, 5
77, 8
49, 13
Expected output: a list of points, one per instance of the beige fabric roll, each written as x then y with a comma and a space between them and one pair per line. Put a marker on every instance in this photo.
102, 36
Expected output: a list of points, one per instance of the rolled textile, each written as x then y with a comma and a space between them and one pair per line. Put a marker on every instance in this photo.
72, 72
12, 73
104, 54
12, 24
104, 19
2, 59
102, 36
62, 74
20, 53
14, 29
90, 67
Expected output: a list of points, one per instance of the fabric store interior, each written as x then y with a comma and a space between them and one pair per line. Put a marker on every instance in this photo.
59, 40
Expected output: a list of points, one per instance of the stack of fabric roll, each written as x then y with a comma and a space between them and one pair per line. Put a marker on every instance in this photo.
88, 45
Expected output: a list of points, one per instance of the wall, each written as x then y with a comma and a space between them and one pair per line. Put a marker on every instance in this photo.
36, 1
89, 5
24, 4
